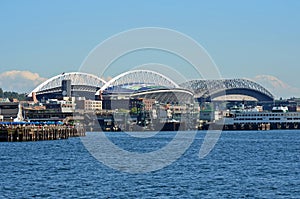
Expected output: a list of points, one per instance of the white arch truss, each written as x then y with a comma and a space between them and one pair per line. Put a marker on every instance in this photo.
77, 79
209, 87
140, 77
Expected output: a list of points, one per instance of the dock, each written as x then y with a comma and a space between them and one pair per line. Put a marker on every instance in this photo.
22, 133
250, 126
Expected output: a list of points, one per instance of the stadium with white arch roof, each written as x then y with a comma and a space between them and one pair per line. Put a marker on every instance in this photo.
74, 84
151, 85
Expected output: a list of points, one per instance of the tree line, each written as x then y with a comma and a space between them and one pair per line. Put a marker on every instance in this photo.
12, 95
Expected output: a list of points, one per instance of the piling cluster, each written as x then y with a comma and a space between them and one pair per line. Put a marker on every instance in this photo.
20, 133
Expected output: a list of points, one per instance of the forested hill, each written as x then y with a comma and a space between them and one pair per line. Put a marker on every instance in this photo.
12, 95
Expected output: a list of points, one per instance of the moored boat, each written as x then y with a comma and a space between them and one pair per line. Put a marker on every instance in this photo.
252, 119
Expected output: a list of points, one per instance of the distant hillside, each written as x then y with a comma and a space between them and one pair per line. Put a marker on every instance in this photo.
12, 95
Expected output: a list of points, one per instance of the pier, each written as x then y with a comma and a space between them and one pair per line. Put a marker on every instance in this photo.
22, 133
250, 126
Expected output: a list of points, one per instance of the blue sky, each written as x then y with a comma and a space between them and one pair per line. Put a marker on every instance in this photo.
244, 38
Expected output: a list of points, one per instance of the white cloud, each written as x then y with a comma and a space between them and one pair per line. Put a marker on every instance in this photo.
20, 81
277, 87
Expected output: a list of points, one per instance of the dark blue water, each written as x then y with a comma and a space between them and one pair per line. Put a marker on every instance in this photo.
242, 165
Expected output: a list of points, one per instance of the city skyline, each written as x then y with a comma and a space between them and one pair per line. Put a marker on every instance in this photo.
255, 40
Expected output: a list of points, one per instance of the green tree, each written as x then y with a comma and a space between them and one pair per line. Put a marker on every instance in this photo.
11, 95
1, 93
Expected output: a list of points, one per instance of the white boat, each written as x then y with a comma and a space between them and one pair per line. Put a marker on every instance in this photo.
277, 115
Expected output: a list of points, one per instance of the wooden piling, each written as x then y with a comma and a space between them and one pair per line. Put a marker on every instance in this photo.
10, 133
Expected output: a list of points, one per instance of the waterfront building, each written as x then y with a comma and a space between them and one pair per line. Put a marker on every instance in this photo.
89, 105
66, 105
9, 110
145, 93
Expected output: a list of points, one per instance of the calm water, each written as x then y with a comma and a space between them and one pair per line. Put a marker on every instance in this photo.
242, 165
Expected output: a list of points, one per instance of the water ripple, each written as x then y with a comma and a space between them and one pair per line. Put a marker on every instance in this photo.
242, 165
